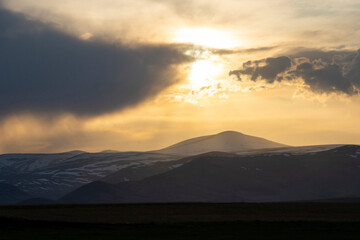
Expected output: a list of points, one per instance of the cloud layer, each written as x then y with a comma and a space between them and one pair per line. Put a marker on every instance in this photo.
320, 71
44, 70
267, 69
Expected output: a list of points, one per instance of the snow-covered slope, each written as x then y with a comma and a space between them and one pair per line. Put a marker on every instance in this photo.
229, 141
52, 175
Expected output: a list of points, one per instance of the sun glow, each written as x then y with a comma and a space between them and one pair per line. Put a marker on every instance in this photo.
206, 37
203, 73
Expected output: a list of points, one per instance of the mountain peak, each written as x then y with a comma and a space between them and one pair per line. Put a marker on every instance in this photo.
230, 133
227, 141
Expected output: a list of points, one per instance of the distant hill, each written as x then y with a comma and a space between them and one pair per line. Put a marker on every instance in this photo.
53, 175
229, 141
10, 194
225, 177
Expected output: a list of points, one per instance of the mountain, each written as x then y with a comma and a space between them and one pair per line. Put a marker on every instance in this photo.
10, 194
142, 171
229, 141
227, 177
53, 175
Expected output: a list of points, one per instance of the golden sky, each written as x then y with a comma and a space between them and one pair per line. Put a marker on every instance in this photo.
295, 73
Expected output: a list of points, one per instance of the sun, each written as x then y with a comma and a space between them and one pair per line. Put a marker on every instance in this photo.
206, 37
206, 70
203, 73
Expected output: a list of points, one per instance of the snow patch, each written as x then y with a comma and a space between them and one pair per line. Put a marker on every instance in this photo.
175, 166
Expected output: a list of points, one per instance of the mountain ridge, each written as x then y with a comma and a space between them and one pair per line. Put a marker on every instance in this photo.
54, 175
227, 177
227, 141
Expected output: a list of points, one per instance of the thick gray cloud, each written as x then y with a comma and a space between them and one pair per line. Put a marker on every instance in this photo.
267, 69
354, 70
321, 71
44, 70
328, 78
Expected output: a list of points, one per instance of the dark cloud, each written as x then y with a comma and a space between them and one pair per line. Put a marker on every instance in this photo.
326, 79
330, 71
267, 69
44, 70
353, 74
321, 71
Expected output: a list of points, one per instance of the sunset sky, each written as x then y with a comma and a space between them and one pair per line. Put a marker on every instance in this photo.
140, 75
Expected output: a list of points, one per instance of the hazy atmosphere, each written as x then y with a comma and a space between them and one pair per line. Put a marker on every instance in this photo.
141, 75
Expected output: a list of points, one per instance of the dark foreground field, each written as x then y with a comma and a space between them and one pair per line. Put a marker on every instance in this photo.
182, 221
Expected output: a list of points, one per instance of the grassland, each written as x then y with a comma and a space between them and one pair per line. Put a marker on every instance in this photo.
182, 221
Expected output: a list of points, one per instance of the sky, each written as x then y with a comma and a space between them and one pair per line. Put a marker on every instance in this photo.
141, 75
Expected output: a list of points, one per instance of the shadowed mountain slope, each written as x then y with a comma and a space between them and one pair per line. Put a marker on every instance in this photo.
10, 194
224, 177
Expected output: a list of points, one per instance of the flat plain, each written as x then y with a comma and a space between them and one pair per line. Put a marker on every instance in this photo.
182, 221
